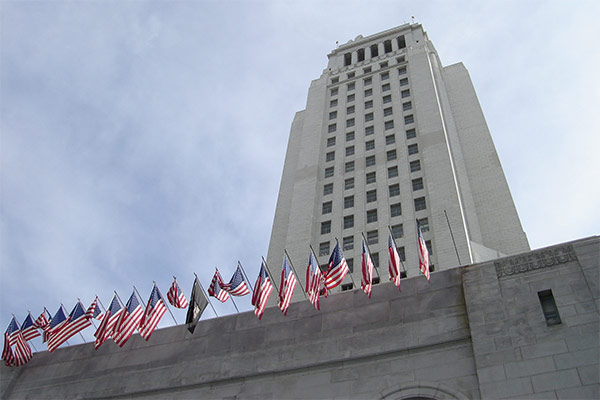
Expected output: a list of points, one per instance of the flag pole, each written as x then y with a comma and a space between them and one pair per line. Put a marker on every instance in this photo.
245, 275
207, 297
81, 334
394, 239
230, 296
452, 236
351, 278
29, 311
294, 269
322, 275
101, 303
163, 299
235, 305
119, 298
270, 274
369, 249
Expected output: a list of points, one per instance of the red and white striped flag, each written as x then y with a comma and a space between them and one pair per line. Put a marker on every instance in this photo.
423, 252
176, 296
338, 268
155, 309
109, 320
28, 328
77, 322
314, 279
262, 290
288, 284
366, 282
129, 320
22, 352
7, 353
215, 290
237, 286
395, 262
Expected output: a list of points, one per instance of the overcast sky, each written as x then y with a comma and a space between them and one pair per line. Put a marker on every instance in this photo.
141, 140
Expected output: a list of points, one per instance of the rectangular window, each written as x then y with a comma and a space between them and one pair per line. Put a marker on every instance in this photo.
349, 122
348, 221
349, 151
333, 115
401, 44
374, 50
348, 243
325, 227
417, 184
351, 86
348, 201
350, 110
394, 190
372, 237
409, 119
327, 189
334, 91
368, 117
402, 254
415, 166
375, 259
368, 104
367, 70
324, 248
402, 70
351, 75
430, 251
371, 177
349, 136
397, 231
335, 80
331, 141
413, 149
387, 99
392, 172
385, 87
403, 81
350, 262
368, 92
405, 93
389, 125
370, 161
330, 156
424, 224
349, 166
327, 207
387, 111
369, 130
368, 81
371, 216
411, 133
369, 145
328, 172
385, 75
549, 307
401, 59
383, 64
407, 106
371, 196
333, 103
391, 155
331, 128
347, 59
420, 204
396, 209
390, 139
350, 98
349, 183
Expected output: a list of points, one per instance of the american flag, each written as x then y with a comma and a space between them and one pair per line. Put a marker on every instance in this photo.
366, 282
395, 262
129, 320
7, 354
28, 329
155, 309
215, 288
337, 270
288, 284
109, 320
56, 323
43, 321
78, 321
176, 297
22, 351
262, 290
237, 286
423, 253
93, 310
313, 280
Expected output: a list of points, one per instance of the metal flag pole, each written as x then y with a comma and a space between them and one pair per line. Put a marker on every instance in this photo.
369, 249
235, 305
163, 299
394, 239
351, 277
270, 274
322, 275
119, 298
452, 236
245, 276
206, 294
295, 273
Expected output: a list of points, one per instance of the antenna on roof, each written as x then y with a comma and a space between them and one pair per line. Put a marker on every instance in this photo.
413, 19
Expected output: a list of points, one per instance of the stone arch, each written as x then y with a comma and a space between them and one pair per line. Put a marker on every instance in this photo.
422, 390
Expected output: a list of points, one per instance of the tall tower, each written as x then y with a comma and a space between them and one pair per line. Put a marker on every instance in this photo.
390, 136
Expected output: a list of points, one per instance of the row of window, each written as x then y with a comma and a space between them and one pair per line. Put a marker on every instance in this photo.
400, 41
407, 106
386, 87
370, 145
370, 161
369, 103
369, 70
391, 155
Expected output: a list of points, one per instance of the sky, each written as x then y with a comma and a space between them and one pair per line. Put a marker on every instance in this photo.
145, 140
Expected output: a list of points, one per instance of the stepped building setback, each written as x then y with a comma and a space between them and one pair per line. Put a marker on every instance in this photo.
388, 136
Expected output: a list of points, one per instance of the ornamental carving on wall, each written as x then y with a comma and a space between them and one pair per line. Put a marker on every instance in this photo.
535, 260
